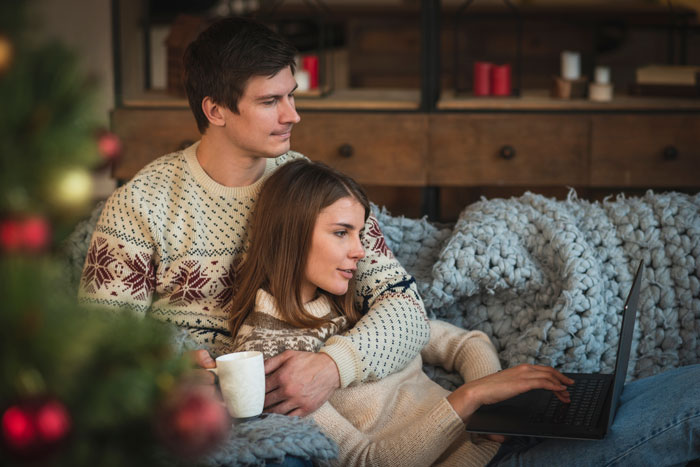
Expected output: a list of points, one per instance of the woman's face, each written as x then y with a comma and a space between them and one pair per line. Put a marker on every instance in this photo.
335, 248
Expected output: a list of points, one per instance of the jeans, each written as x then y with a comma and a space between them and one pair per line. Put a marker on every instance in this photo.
657, 424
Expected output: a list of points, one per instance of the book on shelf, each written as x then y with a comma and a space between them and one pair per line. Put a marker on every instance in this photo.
679, 75
664, 90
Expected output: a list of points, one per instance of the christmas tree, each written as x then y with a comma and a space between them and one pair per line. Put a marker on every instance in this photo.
77, 387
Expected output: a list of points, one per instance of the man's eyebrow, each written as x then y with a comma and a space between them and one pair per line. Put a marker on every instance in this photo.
274, 96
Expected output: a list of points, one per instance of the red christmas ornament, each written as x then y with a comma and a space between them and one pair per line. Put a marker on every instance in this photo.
36, 233
10, 235
192, 423
18, 428
34, 428
109, 145
52, 422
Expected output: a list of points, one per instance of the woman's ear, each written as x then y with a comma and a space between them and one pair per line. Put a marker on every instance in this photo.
213, 112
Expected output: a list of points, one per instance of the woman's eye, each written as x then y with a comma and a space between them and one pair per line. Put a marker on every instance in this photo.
341, 233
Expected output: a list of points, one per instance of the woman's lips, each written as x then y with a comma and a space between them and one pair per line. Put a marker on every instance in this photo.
346, 273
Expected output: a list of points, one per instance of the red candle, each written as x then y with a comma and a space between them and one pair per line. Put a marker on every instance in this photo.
310, 64
500, 80
482, 79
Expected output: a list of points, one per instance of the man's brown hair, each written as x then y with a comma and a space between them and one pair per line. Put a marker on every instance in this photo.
221, 60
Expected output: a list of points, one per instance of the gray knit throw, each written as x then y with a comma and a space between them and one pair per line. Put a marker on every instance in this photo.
547, 279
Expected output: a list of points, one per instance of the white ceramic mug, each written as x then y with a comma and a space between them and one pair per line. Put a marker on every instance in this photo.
242, 381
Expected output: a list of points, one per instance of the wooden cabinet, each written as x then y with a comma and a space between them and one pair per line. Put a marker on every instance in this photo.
377, 148
511, 149
646, 151
482, 152
149, 133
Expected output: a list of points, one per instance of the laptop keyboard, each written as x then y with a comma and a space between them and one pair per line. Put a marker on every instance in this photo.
584, 409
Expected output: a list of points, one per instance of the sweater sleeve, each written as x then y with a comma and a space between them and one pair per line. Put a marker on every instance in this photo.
416, 444
119, 270
394, 327
471, 353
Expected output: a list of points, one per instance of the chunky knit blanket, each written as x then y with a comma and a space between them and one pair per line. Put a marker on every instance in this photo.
547, 279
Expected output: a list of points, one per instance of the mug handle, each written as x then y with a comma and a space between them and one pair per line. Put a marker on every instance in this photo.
216, 374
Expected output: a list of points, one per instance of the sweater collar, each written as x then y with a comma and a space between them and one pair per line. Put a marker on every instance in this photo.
266, 303
215, 188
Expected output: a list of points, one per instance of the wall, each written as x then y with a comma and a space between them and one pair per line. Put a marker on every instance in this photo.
85, 27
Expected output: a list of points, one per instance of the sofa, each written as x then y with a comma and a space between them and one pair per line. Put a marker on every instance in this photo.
546, 279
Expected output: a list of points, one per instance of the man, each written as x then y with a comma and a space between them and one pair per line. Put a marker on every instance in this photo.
167, 242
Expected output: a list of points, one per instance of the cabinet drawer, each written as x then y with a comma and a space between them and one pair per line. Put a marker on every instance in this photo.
539, 150
147, 134
646, 151
378, 148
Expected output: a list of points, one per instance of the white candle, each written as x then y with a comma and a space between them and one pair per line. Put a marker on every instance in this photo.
303, 81
602, 75
570, 65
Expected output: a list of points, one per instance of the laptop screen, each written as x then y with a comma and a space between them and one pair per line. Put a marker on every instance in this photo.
625, 341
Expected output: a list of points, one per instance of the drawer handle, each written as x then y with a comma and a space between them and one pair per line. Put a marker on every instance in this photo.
507, 152
670, 153
346, 150
185, 144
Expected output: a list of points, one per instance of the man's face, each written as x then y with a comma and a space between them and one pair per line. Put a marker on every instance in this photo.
266, 114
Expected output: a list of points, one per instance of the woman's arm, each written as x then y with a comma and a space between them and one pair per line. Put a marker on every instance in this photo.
505, 384
416, 444
470, 353
473, 355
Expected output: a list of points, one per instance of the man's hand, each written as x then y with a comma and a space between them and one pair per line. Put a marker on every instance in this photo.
298, 383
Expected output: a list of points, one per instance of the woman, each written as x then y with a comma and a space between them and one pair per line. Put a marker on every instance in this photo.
296, 291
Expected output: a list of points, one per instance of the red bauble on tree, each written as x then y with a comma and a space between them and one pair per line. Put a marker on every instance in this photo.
10, 235
52, 422
18, 430
34, 428
109, 145
36, 233
31, 234
192, 422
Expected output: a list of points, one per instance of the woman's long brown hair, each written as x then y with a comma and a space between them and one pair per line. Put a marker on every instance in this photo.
280, 238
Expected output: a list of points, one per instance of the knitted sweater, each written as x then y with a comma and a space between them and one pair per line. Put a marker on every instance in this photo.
167, 243
401, 420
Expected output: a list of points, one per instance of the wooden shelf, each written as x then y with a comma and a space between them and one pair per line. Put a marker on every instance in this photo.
341, 99
540, 100
363, 99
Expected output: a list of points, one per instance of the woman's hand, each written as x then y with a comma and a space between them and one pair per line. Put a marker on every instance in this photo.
505, 384
198, 375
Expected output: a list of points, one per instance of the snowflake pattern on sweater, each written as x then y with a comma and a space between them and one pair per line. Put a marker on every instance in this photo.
168, 243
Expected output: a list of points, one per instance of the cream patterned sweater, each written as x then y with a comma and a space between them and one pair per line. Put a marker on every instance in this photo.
168, 242
402, 420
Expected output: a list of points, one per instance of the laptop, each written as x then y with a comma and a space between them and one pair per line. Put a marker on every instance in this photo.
593, 404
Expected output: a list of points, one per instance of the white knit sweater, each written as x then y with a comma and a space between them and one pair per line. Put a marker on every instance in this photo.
402, 420
168, 242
